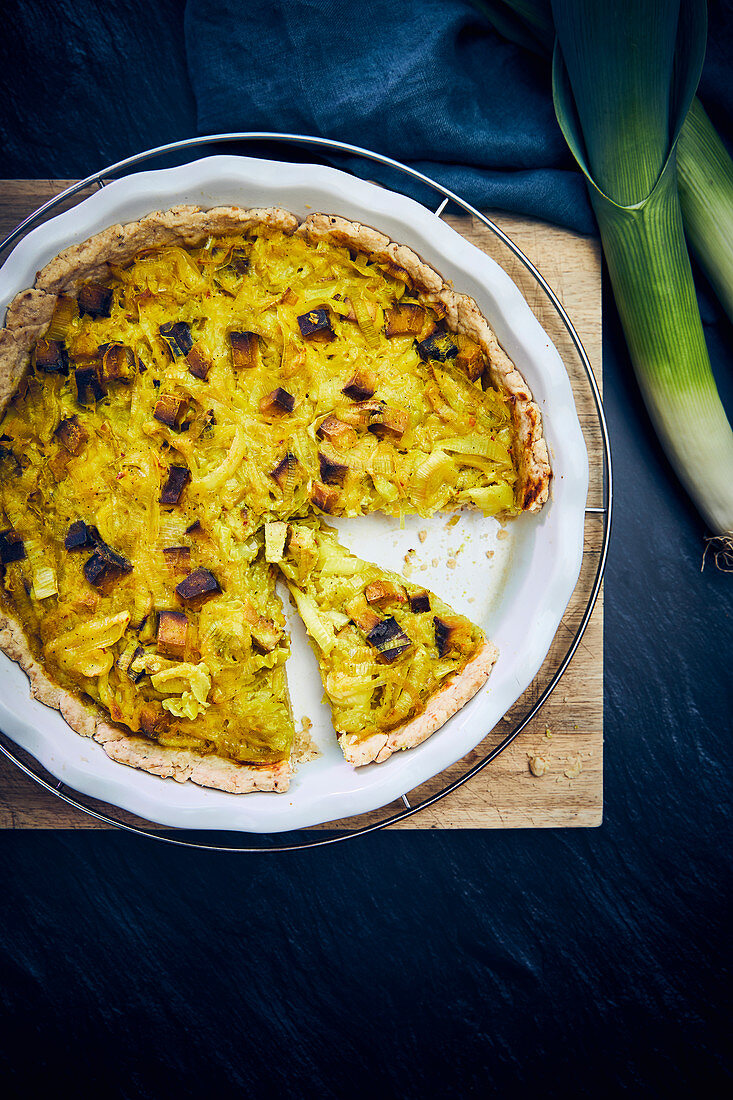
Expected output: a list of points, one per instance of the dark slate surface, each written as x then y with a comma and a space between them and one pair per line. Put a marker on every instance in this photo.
534, 963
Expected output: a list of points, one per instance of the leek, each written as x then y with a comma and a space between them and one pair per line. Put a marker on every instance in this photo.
704, 167
617, 107
705, 181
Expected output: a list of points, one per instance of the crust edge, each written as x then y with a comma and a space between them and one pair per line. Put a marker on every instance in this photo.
448, 701
123, 747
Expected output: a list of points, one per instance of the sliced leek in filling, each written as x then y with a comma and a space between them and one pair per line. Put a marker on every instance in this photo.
171, 625
384, 645
174, 417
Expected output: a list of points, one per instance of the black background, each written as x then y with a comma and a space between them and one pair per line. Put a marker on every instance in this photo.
410, 964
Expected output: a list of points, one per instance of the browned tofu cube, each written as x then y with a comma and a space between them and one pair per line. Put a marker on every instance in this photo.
389, 423
198, 365
72, 435
245, 349
51, 357
361, 386
178, 478
172, 633
315, 325
118, 363
404, 319
361, 614
324, 498
332, 473
177, 558
170, 410
336, 432
277, 403
470, 358
380, 593
198, 586
94, 299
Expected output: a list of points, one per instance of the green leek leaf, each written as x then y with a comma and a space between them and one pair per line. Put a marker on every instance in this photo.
705, 181
623, 81
704, 167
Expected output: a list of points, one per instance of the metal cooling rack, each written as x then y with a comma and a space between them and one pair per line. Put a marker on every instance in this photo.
303, 838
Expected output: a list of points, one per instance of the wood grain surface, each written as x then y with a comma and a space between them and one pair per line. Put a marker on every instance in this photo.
568, 730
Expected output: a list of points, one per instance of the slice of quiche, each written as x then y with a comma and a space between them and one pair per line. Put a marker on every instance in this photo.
396, 661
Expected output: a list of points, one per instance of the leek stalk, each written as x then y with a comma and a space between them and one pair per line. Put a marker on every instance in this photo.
704, 166
617, 103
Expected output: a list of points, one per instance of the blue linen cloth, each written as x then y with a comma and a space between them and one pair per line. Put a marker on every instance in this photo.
424, 81
428, 82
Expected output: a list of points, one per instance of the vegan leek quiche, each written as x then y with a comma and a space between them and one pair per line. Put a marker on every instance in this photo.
182, 399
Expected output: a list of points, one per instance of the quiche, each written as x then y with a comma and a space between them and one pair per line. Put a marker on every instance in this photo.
395, 660
183, 399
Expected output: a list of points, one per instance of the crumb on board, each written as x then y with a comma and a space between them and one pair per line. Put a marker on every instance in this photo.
538, 765
502, 533
548, 735
451, 563
422, 535
574, 768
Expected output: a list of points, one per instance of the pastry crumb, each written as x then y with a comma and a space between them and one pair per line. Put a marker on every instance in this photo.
548, 735
423, 567
434, 562
538, 765
451, 563
574, 768
452, 521
489, 553
502, 533
305, 749
422, 535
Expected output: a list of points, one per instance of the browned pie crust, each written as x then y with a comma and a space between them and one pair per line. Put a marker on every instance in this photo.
448, 701
27, 317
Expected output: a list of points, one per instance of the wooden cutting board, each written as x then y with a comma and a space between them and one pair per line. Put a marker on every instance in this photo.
568, 731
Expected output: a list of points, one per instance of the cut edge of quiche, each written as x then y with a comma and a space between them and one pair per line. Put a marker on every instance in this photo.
27, 319
396, 661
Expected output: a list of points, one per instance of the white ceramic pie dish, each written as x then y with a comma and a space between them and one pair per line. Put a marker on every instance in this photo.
518, 595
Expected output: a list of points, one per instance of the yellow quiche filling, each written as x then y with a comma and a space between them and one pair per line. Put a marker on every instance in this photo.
174, 417
384, 645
